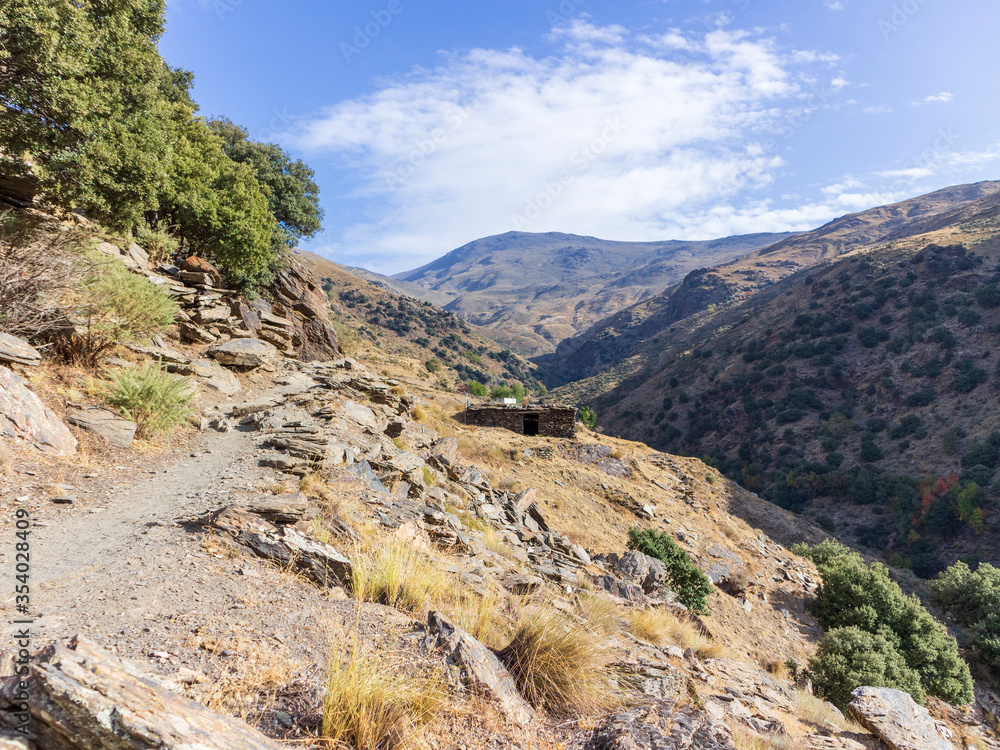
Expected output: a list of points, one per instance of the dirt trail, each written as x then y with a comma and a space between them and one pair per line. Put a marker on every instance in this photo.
80, 542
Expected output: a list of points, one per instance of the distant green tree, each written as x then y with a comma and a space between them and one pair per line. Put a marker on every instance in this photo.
292, 195
973, 599
478, 389
78, 103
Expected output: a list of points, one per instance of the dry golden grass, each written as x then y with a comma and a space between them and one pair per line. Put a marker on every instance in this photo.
248, 685
559, 664
661, 627
745, 739
601, 612
316, 487
494, 542
6, 463
489, 619
368, 704
813, 710
393, 572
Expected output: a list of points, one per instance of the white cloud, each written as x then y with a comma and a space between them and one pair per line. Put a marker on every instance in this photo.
839, 82
881, 109
911, 173
604, 137
942, 98
835, 6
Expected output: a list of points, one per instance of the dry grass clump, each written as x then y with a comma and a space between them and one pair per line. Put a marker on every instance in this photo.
316, 487
368, 705
493, 541
249, 685
558, 664
393, 572
601, 612
6, 464
813, 710
661, 627
489, 619
746, 739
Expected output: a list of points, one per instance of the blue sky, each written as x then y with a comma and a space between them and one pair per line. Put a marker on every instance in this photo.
432, 124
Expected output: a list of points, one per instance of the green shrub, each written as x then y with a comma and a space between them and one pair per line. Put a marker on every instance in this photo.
116, 307
854, 595
478, 389
685, 578
152, 398
587, 416
850, 657
157, 241
973, 599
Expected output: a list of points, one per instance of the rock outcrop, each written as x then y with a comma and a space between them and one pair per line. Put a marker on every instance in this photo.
481, 669
23, 416
243, 353
661, 726
893, 717
108, 425
81, 697
17, 351
299, 299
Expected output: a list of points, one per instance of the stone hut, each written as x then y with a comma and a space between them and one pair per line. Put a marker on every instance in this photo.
551, 421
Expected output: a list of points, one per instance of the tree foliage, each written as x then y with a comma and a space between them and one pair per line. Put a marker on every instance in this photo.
217, 207
686, 579
854, 595
973, 599
79, 93
849, 657
292, 195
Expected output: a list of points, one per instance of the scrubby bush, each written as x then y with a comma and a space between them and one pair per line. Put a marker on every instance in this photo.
849, 657
478, 389
152, 398
973, 599
115, 307
685, 578
587, 416
854, 595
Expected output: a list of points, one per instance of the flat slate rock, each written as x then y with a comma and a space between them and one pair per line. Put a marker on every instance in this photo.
661, 726
23, 416
894, 717
247, 353
18, 351
112, 427
81, 697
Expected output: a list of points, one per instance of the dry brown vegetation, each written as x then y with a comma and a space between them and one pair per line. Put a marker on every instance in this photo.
558, 664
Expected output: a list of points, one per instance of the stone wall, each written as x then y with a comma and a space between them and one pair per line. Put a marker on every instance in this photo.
552, 421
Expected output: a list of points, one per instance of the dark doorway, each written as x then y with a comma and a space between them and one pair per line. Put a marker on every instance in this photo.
530, 424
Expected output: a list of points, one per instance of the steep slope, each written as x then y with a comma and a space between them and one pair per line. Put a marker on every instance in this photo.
855, 392
378, 322
618, 336
535, 290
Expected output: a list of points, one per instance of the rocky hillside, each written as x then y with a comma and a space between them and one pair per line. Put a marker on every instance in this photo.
853, 391
534, 290
315, 526
377, 321
621, 335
